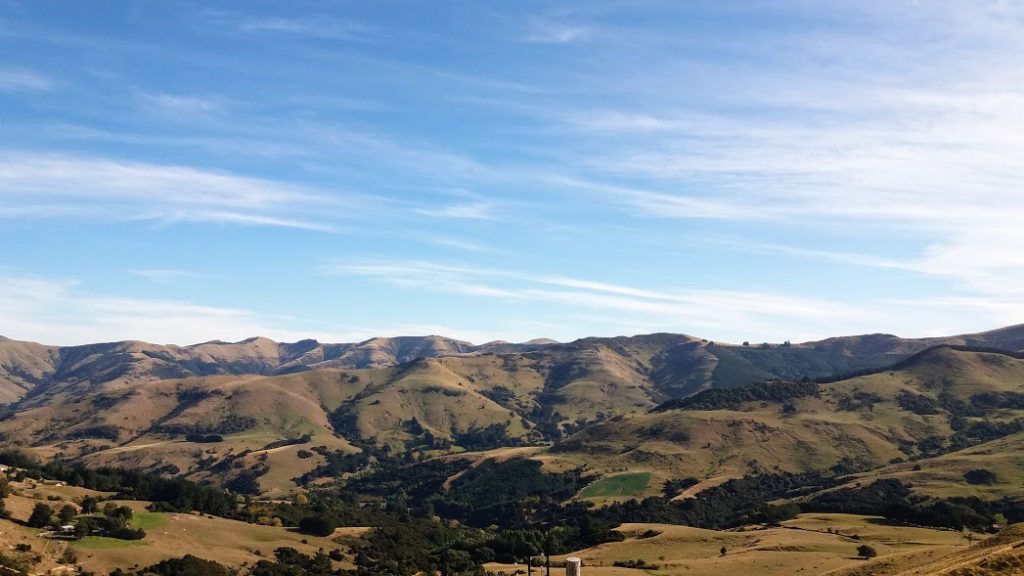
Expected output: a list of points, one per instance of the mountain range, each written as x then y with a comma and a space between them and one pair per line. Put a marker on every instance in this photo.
271, 416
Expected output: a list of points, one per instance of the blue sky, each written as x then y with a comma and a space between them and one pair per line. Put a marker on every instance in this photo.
181, 172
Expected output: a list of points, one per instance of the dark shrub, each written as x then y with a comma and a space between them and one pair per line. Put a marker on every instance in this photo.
316, 526
980, 476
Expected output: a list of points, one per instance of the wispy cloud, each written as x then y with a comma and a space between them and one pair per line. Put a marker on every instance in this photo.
315, 27
675, 309
665, 205
166, 275
467, 210
62, 311
544, 32
459, 243
741, 314
887, 142
321, 27
21, 80
128, 190
179, 104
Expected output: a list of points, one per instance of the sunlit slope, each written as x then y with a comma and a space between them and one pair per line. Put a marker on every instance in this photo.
624, 404
27, 368
926, 408
670, 365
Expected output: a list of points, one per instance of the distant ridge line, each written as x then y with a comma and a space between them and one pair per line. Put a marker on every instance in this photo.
903, 363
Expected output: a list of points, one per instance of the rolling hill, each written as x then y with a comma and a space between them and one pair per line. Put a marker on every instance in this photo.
256, 415
27, 368
944, 404
674, 365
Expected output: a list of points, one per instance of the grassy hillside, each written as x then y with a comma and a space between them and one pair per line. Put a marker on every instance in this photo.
811, 544
672, 365
941, 403
28, 368
258, 433
168, 535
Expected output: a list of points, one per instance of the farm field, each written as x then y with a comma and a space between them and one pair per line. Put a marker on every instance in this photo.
168, 535
628, 485
801, 546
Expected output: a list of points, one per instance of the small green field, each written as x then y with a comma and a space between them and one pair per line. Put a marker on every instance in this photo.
147, 520
104, 543
630, 484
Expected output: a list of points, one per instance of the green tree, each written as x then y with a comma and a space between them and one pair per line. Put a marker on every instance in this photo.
119, 516
67, 513
187, 565
553, 542
316, 525
41, 516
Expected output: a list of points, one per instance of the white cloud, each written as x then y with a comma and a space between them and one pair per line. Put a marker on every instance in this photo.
459, 243
723, 314
56, 311
893, 130
321, 27
20, 80
128, 190
555, 33
180, 104
313, 26
466, 210
62, 312
676, 310
165, 275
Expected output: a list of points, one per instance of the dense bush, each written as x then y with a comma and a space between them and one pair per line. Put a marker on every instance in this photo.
980, 476
491, 436
316, 526
860, 400
305, 438
100, 431
731, 398
503, 493
917, 403
638, 564
984, 431
865, 551
673, 487
731, 504
998, 400
203, 438
231, 424
171, 493
188, 565
42, 516
894, 500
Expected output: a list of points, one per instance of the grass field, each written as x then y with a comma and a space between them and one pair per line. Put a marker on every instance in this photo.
812, 544
630, 484
170, 535
148, 520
